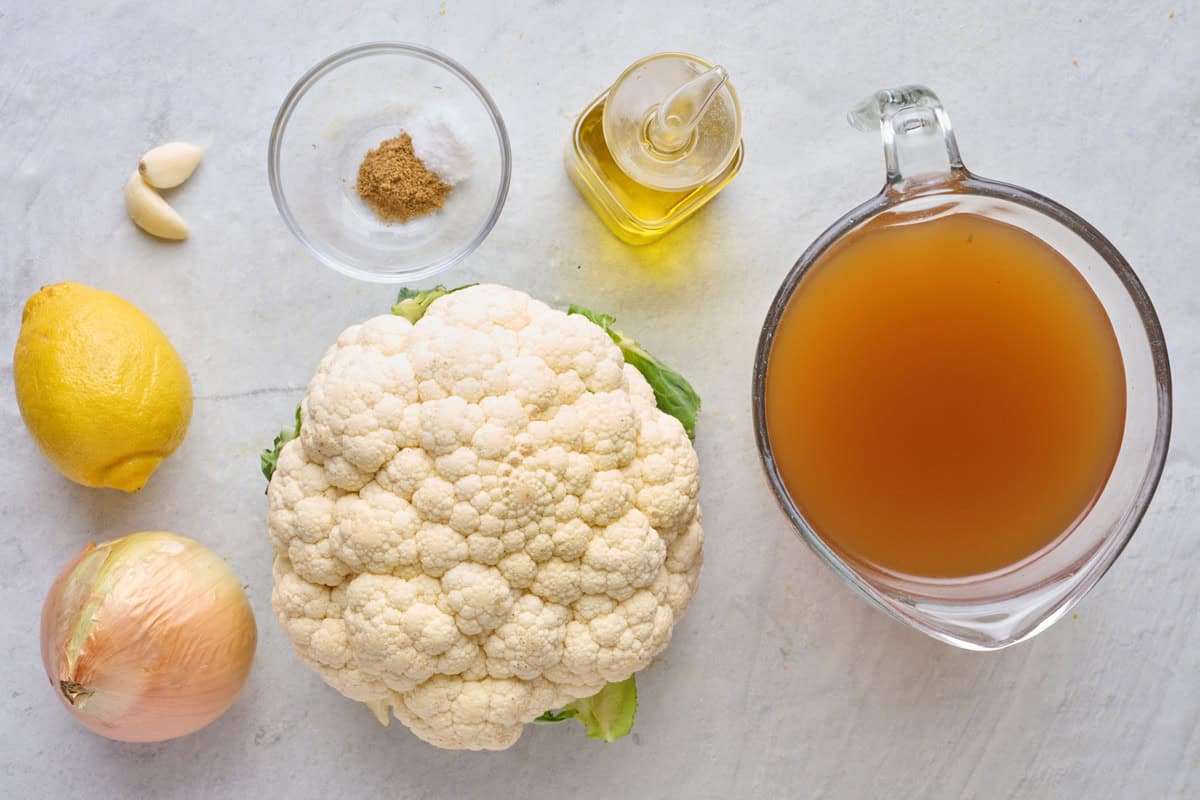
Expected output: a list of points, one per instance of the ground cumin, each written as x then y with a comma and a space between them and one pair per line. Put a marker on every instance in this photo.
397, 184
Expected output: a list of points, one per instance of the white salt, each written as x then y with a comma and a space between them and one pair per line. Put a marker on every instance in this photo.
437, 144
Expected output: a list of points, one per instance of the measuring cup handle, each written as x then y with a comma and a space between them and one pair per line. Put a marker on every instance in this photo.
918, 141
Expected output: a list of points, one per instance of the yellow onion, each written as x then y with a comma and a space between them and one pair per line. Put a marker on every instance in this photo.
147, 637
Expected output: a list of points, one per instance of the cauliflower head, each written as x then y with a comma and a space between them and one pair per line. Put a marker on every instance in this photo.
485, 516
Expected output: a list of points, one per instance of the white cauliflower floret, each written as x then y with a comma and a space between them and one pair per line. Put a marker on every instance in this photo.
485, 516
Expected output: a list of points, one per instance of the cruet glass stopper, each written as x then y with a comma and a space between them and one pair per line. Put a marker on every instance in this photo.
672, 121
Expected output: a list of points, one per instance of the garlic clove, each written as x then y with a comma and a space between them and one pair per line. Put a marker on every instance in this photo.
170, 164
150, 212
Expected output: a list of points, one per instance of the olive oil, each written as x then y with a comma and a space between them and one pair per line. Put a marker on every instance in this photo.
657, 189
945, 397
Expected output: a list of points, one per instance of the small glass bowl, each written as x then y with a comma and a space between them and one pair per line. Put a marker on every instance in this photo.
346, 105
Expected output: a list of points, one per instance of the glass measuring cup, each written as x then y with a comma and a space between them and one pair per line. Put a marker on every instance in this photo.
997, 609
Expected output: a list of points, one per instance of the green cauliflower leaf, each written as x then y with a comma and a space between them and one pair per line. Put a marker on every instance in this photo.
672, 393
606, 715
270, 457
413, 303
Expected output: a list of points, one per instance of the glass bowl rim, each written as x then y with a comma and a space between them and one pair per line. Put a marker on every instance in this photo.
968, 183
324, 67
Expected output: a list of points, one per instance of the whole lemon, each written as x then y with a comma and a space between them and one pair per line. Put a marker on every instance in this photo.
103, 392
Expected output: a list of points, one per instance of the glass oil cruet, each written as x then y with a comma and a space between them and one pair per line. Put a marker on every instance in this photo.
657, 145
925, 175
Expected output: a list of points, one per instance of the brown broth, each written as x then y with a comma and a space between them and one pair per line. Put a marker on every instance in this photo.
945, 397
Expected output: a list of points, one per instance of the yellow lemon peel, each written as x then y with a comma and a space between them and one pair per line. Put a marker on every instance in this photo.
102, 391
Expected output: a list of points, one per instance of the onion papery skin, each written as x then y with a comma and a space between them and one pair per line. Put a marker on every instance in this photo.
147, 637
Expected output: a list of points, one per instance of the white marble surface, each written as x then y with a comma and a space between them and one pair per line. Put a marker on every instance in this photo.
779, 683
